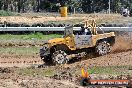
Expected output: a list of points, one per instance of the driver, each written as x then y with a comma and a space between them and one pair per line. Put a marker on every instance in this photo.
85, 31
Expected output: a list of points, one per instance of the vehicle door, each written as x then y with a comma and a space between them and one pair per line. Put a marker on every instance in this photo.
83, 41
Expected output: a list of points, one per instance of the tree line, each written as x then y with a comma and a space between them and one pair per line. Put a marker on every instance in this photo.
87, 6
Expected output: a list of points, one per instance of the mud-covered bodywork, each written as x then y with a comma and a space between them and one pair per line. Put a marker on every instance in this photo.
45, 50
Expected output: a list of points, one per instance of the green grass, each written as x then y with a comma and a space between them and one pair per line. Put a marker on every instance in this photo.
111, 70
7, 13
108, 70
24, 40
36, 72
34, 36
51, 71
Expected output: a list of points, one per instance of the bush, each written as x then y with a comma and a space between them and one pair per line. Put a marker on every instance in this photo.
6, 13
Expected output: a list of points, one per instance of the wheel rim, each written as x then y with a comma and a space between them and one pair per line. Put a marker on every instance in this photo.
60, 57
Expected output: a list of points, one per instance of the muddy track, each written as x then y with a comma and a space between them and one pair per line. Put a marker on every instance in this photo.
115, 59
120, 55
64, 78
11, 80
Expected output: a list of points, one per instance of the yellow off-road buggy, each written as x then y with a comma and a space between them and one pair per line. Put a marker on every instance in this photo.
61, 50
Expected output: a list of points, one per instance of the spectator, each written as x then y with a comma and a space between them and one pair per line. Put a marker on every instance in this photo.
125, 12
85, 31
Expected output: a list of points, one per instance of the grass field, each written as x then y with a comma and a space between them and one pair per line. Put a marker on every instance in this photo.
7, 13
50, 71
9, 41
35, 39
33, 36
112, 70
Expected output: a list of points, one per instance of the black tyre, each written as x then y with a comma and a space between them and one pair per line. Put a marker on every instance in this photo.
47, 59
102, 48
59, 57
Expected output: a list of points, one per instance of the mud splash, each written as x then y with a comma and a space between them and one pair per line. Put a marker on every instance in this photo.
123, 43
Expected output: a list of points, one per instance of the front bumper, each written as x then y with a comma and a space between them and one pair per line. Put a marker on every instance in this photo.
44, 51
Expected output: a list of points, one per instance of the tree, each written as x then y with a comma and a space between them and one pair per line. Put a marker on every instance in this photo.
6, 5
86, 5
38, 5
115, 5
19, 6
1, 3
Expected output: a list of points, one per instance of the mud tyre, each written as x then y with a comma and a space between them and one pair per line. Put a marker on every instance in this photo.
47, 60
59, 57
102, 48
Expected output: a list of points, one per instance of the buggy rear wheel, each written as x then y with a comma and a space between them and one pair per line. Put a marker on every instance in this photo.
102, 48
